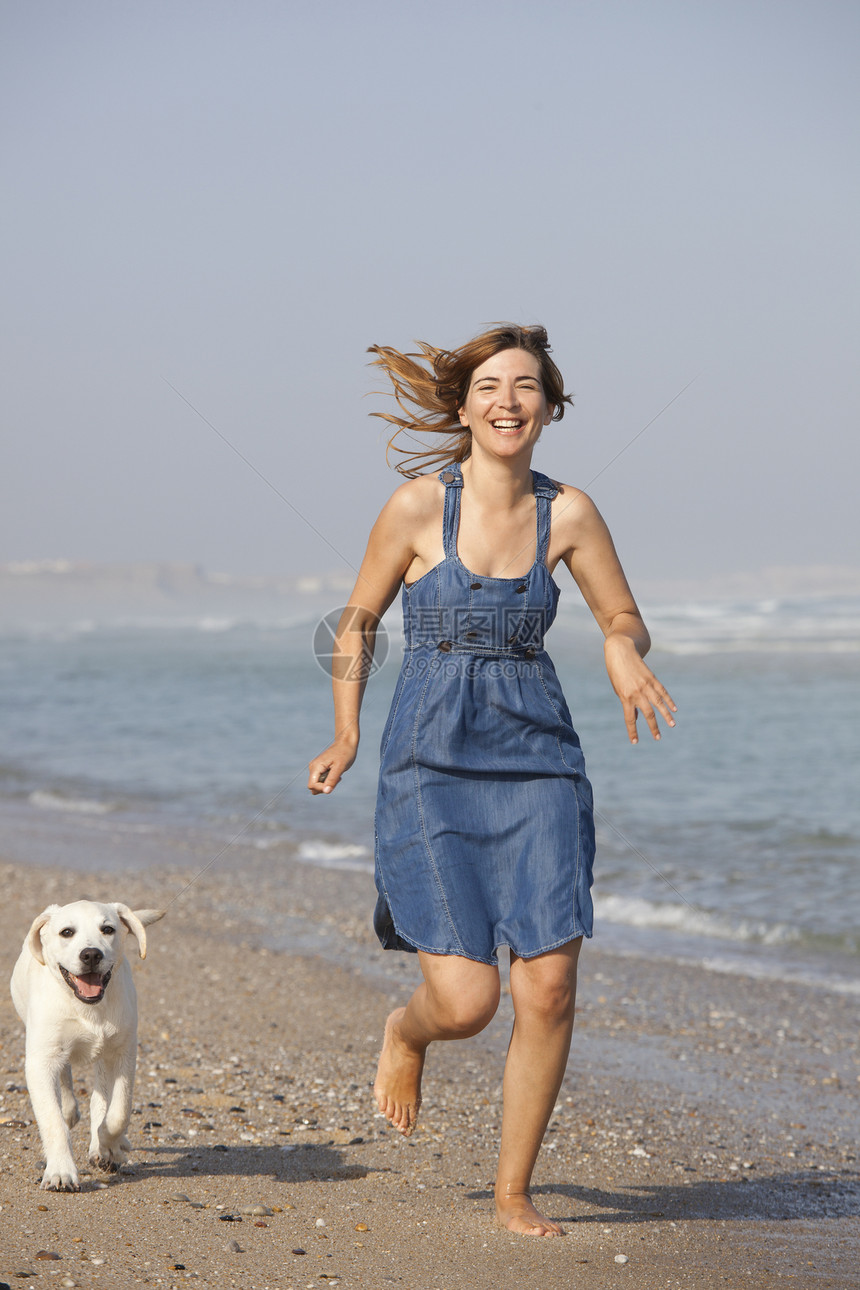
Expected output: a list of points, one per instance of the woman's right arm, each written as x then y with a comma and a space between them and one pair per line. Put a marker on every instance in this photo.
390, 551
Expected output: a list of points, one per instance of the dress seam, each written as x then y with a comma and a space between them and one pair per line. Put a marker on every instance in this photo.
421, 819
401, 686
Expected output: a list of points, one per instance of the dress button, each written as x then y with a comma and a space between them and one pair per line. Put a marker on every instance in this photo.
521, 588
512, 639
471, 635
447, 478
445, 647
529, 653
476, 586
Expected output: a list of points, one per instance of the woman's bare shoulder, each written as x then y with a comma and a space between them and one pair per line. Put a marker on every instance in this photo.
415, 500
577, 524
571, 503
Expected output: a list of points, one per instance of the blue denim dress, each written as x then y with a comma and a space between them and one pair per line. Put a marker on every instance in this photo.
484, 825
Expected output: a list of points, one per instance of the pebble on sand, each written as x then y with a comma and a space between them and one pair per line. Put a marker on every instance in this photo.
621, 1258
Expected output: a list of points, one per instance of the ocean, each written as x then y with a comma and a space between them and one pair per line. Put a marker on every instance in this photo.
734, 841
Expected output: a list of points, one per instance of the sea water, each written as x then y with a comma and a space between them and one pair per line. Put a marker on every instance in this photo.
735, 839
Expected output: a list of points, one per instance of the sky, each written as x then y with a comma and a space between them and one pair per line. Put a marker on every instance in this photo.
212, 209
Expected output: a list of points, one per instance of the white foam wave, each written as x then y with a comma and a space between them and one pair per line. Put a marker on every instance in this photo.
692, 921
216, 624
272, 840
47, 801
812, 625
336, 855
757, 645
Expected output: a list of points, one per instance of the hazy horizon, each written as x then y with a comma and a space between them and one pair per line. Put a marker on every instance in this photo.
28, 583
214, 209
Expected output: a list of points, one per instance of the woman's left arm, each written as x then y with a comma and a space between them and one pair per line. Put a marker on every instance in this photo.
590, 555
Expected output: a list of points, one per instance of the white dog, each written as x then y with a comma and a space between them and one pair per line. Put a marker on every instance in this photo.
73, 989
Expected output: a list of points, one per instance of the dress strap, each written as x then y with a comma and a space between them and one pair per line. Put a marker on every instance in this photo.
545, 490
452, 478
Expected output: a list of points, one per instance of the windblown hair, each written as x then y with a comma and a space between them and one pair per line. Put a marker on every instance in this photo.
435, 383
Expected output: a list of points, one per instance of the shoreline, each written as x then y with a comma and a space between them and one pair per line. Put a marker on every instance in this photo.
705, 1129
127, 842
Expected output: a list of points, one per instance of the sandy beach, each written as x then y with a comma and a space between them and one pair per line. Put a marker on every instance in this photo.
705, 1135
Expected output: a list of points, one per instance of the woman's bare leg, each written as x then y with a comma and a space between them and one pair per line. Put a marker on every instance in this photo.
456, 999
544, 994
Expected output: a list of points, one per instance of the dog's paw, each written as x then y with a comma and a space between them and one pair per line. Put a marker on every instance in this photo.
105, 1163
109, 1159
60, 1178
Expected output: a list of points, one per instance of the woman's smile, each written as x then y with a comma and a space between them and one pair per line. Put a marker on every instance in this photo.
506, 427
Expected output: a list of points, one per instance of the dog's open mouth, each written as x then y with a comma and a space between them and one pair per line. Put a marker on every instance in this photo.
89, 988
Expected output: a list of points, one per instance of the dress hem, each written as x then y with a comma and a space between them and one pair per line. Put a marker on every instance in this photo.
391, 937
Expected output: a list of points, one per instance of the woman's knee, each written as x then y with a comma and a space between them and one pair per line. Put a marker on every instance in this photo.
545, 987
554, 1001
466, 1011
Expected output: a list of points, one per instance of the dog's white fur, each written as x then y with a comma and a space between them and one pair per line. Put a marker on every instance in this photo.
86, 940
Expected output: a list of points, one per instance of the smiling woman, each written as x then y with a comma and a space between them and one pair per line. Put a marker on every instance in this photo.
437, 392
484, 822
505, 408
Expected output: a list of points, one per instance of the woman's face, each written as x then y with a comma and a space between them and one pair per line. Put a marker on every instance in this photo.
505, 407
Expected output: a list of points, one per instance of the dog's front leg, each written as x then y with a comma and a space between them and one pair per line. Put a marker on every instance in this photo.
68, 1101
110, 1110
47, 1079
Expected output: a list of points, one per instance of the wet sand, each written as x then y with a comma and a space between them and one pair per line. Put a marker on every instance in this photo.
706, 1131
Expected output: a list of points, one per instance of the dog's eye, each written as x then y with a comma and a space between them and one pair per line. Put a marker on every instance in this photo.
67, 932
107, 930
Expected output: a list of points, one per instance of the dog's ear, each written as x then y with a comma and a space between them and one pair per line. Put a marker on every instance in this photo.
148, 916
136, 922
34, 936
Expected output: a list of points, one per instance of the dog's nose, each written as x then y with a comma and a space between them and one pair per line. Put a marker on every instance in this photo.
90, 959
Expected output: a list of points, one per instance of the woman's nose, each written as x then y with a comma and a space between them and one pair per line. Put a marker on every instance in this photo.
509, 396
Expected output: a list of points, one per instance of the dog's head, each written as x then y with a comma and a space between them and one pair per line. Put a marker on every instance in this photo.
83, 942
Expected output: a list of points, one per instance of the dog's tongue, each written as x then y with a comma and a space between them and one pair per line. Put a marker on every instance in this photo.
90, 985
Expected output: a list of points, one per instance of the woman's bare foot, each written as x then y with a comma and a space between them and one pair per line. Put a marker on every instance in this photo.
515, 1211
398, 1078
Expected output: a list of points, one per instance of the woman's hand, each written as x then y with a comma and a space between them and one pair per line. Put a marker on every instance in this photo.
636, 686
326, 770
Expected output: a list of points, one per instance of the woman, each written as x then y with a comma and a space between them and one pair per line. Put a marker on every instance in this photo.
484, 821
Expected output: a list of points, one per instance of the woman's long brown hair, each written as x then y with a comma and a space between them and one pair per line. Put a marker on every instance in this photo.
435, 383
